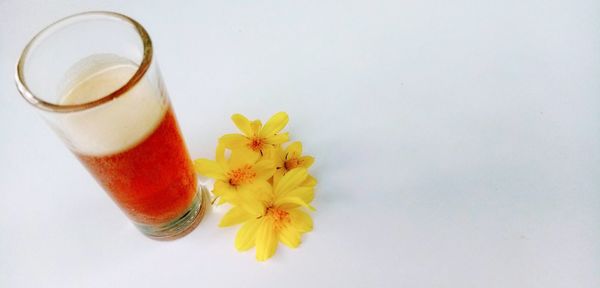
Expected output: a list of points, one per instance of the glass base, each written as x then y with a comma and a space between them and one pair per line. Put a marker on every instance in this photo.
185, 224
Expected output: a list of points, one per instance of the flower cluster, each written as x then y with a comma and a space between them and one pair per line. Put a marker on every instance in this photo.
267, 185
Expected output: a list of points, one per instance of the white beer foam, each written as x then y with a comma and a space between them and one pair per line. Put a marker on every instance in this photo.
114, 126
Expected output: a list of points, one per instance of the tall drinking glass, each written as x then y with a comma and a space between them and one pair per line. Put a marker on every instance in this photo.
94, 78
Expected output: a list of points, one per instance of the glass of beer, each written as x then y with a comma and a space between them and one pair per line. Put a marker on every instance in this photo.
94, 78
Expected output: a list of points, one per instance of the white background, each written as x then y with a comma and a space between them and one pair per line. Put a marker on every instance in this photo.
457, 145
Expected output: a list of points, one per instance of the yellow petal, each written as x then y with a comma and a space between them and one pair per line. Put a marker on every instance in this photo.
236, 198
233, 141
242, 157
291, 180
289, 236
306, 193
266, 240
266, 149
264, 169
294, 150
278, 175
220, 156
277, 155
235, 215
260, 191
246, 236
306, 161
242, 123
222, 200
300, 220
223, 188
210, 169
290, 202
256, 125
253, 201
310, 181
259, 187
277, 139
275, 124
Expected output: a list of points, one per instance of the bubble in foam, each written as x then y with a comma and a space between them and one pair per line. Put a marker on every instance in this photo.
114, 126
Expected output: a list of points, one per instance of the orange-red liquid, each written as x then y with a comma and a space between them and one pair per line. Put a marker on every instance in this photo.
154, 181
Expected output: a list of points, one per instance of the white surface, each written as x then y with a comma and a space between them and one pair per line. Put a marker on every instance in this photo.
457, 145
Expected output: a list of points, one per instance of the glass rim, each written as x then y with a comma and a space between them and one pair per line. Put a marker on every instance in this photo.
48, 30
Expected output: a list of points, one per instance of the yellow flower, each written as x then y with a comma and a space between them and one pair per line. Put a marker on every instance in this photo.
242, 172
290, 158
274, 215
257, 138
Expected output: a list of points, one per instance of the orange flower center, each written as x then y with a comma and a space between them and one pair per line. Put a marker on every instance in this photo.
279, 216
292, 163
242, 175
256, 144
